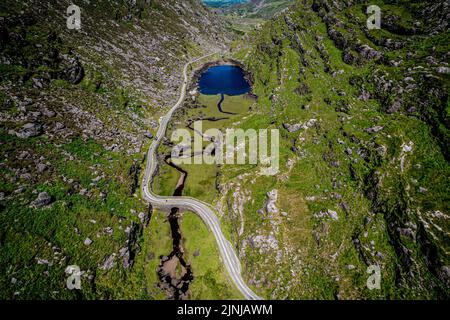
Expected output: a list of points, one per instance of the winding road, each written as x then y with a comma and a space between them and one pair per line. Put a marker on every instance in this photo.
204, 210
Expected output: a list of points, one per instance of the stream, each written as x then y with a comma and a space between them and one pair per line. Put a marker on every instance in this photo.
175, 274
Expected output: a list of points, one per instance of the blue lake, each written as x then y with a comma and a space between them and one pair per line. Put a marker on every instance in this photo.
226, 79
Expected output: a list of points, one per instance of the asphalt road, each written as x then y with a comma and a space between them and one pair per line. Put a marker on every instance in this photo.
202, 209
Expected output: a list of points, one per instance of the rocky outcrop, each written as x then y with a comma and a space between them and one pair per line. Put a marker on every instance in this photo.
74, 103
292, 127
368, 53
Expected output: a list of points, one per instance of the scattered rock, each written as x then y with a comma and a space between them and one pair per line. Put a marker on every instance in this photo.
374, 129
148, 135
368, 52
303, 89
445, 271
292, 128
48, 113
271, 207
407, 147
364, 96
443, 70
59, 126
394, 63
38, 83
333, 214
396, 106
97, 179
327, 214
41, 167
407, 232
266, 244
339, 40
87, 242
29, 130
349, 58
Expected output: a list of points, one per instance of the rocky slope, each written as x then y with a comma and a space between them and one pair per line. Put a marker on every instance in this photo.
78, 108
364, 119
264, 9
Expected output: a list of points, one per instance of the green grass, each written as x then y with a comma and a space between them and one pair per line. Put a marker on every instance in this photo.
211, 282
276, 69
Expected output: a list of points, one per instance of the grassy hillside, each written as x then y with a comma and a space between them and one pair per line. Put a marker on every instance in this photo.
365, 166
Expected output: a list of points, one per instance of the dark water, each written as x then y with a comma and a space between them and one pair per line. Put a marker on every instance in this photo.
226, 79
177, 288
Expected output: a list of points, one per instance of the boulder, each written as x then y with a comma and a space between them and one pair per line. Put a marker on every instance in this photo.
364, 96
349, 58
271, 206
443, 70
327, 214
108, 263
407, 232
4, 36
374, 129
339, 40
303, 89
48, 113
41, 167
38, 83
42, 200
333, 215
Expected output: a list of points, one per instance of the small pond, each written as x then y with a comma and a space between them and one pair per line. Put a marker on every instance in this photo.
224, 79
